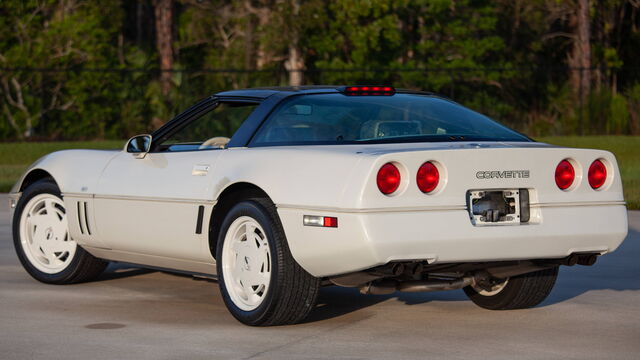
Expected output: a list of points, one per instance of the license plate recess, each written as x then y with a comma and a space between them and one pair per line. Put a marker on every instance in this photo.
498, 206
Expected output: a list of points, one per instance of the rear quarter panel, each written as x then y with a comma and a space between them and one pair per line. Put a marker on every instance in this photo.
306, 176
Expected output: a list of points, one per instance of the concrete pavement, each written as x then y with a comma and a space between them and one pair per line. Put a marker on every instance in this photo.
592, 313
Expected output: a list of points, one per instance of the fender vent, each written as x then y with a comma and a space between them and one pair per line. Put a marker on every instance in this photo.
83, 217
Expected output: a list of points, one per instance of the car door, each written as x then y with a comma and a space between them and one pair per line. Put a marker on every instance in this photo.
160, 204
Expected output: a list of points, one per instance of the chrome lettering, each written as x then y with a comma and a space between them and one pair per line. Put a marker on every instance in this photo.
506, 174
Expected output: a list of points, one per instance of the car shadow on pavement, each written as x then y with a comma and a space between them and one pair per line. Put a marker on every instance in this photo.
336, 301
117, 270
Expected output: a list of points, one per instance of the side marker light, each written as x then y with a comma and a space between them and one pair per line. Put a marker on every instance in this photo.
320, 221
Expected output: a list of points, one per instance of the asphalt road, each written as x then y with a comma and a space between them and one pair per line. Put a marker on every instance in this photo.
593, 313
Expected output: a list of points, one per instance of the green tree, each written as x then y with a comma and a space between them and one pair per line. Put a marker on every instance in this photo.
58, 35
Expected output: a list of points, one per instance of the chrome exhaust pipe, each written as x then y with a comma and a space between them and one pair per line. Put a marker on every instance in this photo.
384, 287
389, 286
435, 285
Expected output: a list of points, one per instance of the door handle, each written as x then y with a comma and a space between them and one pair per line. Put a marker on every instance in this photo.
200, 170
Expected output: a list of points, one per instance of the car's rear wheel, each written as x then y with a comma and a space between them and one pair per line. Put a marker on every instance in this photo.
517, 292
260, 282
42, 241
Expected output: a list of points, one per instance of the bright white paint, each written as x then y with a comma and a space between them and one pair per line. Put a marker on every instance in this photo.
44, 235
365, 240
246, 263
165, 228
146, 209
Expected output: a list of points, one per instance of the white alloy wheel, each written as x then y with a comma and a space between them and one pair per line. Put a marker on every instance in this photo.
246, 263
44, 234
495, 289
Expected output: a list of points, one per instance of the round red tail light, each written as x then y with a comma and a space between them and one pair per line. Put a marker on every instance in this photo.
597, 174
565, 174
428, 177
388, 178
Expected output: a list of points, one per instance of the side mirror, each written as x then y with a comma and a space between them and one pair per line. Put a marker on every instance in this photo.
139, 146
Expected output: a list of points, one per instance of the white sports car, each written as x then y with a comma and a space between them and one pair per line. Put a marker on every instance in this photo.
361, 186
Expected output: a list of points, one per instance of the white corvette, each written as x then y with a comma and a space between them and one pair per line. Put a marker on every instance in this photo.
360, 186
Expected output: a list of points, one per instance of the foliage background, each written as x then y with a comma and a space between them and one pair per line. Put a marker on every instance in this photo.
84, 70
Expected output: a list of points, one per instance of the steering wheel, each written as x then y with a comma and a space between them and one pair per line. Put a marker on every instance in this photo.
215, 142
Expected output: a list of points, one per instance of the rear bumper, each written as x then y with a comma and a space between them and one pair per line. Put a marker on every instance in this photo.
367, 239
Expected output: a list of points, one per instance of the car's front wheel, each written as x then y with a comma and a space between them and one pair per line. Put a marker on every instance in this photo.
517, 292
42, 241
260, 282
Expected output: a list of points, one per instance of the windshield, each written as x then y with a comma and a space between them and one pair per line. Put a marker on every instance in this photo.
340, 119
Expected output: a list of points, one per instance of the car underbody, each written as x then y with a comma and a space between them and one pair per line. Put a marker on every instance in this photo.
419, 276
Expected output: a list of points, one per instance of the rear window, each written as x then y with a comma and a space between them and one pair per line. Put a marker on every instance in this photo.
339, 119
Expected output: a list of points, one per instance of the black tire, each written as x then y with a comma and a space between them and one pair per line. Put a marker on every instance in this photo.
520, 292
82, 267
292, 291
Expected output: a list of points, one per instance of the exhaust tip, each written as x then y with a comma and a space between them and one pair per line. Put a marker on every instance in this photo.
588, 260
571, 260
397, 269
382, 287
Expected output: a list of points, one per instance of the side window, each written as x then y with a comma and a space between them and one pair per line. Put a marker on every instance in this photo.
211, 130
